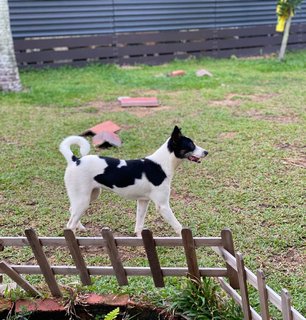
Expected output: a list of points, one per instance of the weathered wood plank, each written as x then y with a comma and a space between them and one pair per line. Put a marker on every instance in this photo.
155, 47
121, 241
1, 249
263, 295
190, 253
43, 262
286, 305
70, 42
273, 297
77, 256
24, 284
243, 287
115, 257
149, 245
164, 36
215, 243
51, 55
130, 271
232, 293
228, 244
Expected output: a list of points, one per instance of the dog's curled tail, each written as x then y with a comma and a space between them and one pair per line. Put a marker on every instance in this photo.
68, 142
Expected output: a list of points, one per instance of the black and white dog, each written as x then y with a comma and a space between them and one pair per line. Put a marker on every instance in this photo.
143, 179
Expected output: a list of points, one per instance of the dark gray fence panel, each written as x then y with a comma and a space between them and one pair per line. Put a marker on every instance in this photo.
60, 18
30, 18
160, 15
59, 32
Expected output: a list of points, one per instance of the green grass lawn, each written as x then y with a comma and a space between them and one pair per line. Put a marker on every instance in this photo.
250, 116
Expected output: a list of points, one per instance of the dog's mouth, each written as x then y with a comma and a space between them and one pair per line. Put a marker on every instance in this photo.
194, 159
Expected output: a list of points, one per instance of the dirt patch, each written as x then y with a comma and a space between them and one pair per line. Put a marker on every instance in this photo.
289, 261
228, 135
293, 147
129, 253
235, 100
184, 197
230, 101
299, 160
255, 114
102, 106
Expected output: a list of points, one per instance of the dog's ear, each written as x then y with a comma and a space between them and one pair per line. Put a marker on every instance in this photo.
176, 134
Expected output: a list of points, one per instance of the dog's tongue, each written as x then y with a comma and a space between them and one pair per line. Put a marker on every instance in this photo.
194, 159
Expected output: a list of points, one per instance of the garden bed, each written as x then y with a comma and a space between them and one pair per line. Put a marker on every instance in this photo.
87, 307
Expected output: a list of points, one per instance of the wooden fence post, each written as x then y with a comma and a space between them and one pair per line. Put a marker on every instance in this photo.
263, 295
1, 249
43, 262
228, 245
286, 305
243, 287
114, 257
190, 254
25, 285
77, 257
149, 245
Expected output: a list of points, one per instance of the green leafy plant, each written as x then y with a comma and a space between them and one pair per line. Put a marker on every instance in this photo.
14, 294
23, 314
112, 315
203, 300
287, 7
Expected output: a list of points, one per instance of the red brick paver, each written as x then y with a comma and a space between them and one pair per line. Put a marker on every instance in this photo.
109, 299
38, 305
106, 126
106, 137
139, 102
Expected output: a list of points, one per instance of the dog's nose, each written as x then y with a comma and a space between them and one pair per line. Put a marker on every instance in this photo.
205, 153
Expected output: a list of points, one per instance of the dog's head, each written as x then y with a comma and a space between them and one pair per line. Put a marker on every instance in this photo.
184, 148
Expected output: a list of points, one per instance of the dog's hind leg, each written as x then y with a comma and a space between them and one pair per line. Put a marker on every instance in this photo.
142, 207
94, 194
77, 209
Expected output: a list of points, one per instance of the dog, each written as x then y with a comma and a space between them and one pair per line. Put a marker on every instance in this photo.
142, 179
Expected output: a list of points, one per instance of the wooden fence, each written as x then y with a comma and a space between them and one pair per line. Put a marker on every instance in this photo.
238, 276
154, 47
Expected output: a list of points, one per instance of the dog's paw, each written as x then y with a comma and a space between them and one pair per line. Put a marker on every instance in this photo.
80, 227
137, 234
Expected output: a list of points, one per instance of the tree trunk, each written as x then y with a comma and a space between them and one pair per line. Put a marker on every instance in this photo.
9, 75
285, 39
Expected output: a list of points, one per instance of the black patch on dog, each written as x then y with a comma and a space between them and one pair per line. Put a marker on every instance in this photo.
179, 144
76, 160
127, 174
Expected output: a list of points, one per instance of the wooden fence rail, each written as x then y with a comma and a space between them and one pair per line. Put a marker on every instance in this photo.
154, 47
238, 276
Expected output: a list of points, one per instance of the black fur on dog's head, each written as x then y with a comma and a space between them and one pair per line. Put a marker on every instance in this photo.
183, 147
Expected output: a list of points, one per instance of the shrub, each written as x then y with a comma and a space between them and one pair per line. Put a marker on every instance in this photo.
203, 300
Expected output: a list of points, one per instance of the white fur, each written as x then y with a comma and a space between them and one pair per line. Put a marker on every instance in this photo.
82, 189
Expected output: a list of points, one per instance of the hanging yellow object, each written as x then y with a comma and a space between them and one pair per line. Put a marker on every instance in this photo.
282, 16
281, 21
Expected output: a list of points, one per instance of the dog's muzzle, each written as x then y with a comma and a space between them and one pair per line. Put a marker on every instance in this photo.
196, 158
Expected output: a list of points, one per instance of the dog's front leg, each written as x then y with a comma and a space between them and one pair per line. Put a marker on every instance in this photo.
167, 213
142, 207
